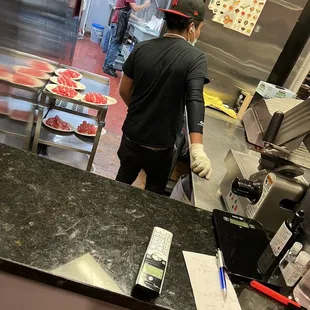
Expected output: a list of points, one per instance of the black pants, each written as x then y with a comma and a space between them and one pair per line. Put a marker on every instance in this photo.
156, 164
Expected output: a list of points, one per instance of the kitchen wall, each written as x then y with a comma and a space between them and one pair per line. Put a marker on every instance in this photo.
99, 12
238, 62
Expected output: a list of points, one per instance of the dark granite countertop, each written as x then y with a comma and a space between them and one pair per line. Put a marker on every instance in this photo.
51, 214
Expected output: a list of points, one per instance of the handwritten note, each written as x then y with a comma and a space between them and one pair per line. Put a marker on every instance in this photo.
204, 276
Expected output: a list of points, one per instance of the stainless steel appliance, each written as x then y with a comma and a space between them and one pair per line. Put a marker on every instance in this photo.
271, 186
268, 196
46, 28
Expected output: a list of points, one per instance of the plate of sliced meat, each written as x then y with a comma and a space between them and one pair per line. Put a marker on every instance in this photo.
32, 72
69, 73
42, 65
98, 99
88, 130
26, 80
56, 123
64, 91
5, 74
62, 80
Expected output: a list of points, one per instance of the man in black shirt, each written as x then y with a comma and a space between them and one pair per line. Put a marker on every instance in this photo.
160, 78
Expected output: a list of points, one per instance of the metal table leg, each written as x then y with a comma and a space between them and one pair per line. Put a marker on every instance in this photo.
29, 128
38, 125
101, 124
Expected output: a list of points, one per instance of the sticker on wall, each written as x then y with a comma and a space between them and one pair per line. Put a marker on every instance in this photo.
237, 15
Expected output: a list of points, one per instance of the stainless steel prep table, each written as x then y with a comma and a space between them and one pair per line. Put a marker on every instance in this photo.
73, 108
221, 133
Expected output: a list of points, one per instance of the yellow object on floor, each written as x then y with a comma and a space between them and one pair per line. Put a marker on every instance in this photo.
216, 102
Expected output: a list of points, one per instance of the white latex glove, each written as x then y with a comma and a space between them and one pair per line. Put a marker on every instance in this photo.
201, 162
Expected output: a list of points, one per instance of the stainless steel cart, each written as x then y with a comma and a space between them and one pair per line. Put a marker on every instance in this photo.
74, 110
21, 97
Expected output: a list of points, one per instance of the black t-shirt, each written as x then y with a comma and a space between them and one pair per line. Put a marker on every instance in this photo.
160, 69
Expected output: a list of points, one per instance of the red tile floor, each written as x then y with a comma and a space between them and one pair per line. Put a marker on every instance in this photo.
88, 56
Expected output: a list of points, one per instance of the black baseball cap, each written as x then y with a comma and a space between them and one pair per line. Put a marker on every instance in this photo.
187, 8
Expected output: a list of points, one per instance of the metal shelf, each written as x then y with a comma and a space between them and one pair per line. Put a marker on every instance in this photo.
18, 128
70, 113
73, 108
12, 127
67, 141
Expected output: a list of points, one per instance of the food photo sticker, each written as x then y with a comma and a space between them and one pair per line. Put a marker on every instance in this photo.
237, 15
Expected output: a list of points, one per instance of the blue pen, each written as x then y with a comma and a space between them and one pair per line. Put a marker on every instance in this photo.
220, 260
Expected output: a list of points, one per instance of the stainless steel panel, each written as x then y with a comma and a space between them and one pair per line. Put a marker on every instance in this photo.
41, 27
221, 133
300, 71
147, 13
240, 62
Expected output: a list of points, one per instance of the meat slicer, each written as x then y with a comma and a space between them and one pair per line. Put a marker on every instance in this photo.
268, 183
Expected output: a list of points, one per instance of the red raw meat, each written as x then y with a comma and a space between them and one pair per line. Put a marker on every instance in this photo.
32, 72
63, 80
87, 128
70, 74
25, 80
65, 91
19, 115
96, 98
41, 65
57, 123
5, 74
4, 69
4, 107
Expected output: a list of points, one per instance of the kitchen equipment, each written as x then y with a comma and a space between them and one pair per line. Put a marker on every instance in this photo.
268, 184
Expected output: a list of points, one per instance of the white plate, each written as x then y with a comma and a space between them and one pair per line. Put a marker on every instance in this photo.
80, 86
51, 67
103, 132
58, 129
50, 87
45, 76
111, 101
58, 72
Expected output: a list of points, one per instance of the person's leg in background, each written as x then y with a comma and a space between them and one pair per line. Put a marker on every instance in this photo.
130, 162
112, 52
157, 168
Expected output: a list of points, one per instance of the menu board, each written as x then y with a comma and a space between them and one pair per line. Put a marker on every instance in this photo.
237, 15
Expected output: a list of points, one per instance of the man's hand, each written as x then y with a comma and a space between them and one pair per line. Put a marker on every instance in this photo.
201, 162
147, 3
137, 8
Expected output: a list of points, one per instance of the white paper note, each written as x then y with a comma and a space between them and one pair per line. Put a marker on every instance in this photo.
204, 276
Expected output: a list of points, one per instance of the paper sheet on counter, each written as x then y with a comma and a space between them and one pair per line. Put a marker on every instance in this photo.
86, 270
204, 276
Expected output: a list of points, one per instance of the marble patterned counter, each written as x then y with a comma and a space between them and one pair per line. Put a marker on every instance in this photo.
51, 214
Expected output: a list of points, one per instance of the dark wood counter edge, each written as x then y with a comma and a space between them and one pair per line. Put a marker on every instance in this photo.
46, 278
